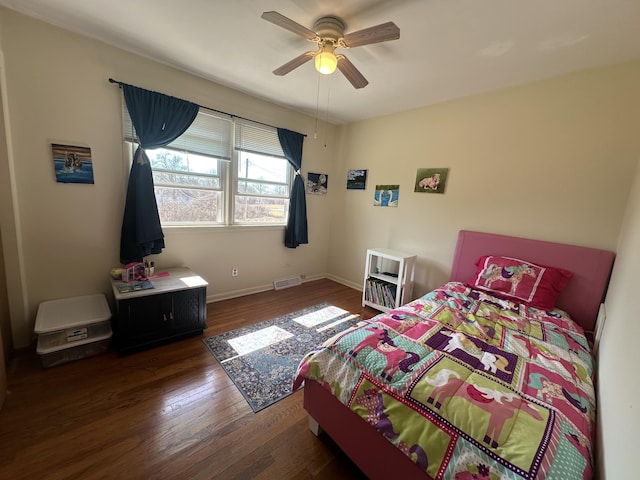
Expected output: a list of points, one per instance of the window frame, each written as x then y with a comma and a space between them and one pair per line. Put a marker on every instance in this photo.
235, 179
258, 136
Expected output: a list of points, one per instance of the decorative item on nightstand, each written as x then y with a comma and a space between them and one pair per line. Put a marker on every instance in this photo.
388, 278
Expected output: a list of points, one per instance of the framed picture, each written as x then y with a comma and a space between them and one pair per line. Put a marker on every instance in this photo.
72, 164
317, 183
356, 180
386, 196
431, 180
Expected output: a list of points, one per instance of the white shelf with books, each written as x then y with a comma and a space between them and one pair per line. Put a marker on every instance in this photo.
388, 278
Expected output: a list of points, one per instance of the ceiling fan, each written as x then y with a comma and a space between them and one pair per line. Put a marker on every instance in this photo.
328, 33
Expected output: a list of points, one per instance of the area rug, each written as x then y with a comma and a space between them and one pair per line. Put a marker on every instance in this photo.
262, 359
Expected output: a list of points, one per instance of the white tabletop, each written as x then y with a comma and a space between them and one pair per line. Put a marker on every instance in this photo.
178, 278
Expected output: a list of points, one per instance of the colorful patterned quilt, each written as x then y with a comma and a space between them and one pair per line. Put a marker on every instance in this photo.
468, 385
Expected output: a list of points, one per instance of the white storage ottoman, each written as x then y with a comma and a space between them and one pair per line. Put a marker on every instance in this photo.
72, 328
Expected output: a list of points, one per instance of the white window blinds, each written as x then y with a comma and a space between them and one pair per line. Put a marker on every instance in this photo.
210, 134
257, 138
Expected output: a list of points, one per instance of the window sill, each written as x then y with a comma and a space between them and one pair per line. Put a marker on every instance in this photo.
227, 228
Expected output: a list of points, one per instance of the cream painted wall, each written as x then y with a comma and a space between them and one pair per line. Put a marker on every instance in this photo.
618, 388
58, 92
550, 160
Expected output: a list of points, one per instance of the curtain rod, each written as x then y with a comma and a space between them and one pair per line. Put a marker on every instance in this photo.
111, 80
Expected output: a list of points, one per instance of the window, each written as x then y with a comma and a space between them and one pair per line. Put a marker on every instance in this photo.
221, 171
263, 176
188, 187
262, 194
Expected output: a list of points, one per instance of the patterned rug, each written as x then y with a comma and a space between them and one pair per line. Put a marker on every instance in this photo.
262, 359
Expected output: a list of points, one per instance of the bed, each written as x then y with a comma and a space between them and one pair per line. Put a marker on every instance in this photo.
478, 379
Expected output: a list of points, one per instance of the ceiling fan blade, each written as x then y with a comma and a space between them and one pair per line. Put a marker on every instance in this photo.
351, 73
380, 33
288, 24
295, 63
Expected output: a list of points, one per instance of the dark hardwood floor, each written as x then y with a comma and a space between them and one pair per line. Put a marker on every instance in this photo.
166, 413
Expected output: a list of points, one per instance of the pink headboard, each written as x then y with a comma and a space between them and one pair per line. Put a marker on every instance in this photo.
591, 268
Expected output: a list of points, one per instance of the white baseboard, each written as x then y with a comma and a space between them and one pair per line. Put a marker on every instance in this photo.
269, 286
355, 286
238, 293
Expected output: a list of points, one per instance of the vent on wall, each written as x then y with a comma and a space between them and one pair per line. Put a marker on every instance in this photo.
287, 282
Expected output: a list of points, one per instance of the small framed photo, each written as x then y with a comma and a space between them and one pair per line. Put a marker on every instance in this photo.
72, 164
386, 196
431, 180
317, 183
356, 180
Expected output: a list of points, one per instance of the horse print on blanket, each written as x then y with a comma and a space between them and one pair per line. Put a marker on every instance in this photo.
511, 274
485, 412
500, 405
396, 358
494, 361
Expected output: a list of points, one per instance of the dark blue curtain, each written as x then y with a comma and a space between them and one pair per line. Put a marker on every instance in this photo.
158, 120
296, 230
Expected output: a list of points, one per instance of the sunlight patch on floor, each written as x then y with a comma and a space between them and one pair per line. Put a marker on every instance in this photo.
338, 322
256, 340
320, 316
321, 320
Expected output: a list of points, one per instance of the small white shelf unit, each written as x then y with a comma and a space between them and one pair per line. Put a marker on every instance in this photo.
388, 278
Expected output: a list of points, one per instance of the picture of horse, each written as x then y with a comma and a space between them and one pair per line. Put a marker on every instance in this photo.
431, 180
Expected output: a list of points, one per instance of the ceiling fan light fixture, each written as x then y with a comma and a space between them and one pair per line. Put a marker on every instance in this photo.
326, 61
328, 33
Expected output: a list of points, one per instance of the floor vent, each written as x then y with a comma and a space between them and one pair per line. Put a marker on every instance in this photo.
287, 282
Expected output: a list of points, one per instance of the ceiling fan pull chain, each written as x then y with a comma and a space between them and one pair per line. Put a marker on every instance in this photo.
326, 120
315, 133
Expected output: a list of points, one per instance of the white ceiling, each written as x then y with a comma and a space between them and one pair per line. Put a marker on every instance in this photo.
447, 48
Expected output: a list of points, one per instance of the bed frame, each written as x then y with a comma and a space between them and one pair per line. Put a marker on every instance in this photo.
591, 268
370, 451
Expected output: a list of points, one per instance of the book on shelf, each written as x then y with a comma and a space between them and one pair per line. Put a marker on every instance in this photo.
381, 292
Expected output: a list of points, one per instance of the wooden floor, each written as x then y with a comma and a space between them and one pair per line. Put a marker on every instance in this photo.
166, 413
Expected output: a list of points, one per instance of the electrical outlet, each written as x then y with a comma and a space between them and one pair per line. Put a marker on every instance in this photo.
234, 272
